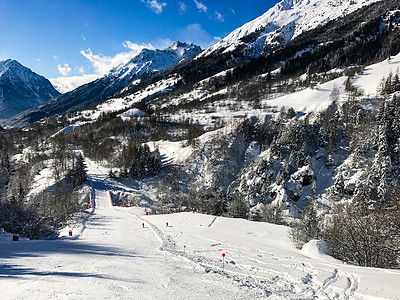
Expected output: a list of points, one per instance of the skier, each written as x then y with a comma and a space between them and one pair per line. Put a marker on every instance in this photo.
143, 225
166, 224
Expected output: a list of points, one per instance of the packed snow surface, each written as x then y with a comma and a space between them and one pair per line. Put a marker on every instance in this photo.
120, 253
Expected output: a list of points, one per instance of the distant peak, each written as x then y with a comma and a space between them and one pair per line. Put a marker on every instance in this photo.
8, 61
178, 45
10, 64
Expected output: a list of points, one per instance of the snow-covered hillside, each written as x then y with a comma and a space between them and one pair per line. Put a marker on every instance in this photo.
283, 22
303, 101
119, 252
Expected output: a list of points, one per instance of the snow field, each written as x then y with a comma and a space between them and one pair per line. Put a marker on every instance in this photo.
372, 75
260, 256
111, 256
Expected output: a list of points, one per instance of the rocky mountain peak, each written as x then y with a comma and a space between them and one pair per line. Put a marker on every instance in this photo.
21, 88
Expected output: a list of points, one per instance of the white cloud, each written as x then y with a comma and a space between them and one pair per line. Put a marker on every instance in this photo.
182, 7
81, 70
64, 70
201, 6
219, 17
136, 47
156, 6
233, 11
83, 37
102, 64
55, 57
66, 84
197, 35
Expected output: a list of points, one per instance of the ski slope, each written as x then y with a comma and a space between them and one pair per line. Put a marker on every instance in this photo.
111, 256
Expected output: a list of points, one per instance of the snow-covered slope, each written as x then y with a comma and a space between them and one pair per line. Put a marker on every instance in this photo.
120, 253
283, 22
21, 89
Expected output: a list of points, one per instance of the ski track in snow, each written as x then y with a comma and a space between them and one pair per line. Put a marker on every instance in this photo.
111, 256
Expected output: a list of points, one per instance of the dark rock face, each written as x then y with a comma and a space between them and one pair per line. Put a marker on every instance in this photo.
21, 89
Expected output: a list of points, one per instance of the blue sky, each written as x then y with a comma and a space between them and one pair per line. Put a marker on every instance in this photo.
69, 37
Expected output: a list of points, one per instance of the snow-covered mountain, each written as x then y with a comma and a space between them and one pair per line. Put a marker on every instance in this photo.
147, 61
283, 22
21, 89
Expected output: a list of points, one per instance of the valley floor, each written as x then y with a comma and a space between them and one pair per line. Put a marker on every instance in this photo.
112, 256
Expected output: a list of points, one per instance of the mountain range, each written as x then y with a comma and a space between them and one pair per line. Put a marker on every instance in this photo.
145, 64
279, 28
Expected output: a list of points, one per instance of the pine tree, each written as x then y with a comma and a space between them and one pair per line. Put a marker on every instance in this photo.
396, 83
388, 84
138, 161
78, 174
381, 171
301, 156
337, 190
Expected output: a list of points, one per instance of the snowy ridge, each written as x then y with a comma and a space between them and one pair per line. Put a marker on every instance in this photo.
149, 60
283, 22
